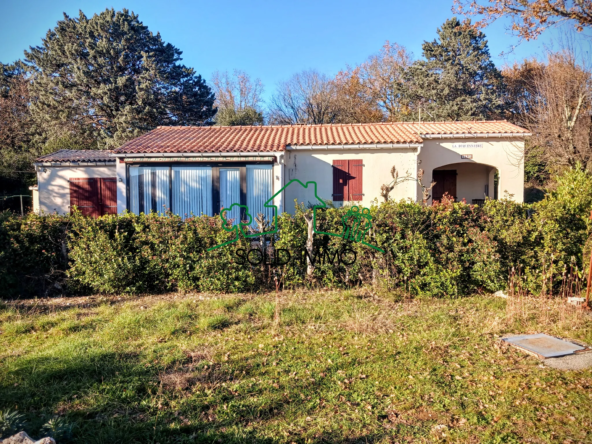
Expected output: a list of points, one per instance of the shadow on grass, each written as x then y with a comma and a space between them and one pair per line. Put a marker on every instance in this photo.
115, 398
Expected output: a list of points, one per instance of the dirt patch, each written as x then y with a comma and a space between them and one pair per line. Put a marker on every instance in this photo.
578, 361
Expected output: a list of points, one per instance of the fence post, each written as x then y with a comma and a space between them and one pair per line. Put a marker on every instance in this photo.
22, 212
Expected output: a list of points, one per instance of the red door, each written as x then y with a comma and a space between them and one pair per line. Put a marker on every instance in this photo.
93, 196
445, 184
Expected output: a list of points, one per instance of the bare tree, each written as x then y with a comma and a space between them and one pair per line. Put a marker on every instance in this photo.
353, 100
529, 18
308, 97
383, 77
560, 110
238, 98
521, 92
237, 90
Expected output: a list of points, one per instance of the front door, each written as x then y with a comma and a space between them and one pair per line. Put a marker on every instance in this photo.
445, 184
230, 192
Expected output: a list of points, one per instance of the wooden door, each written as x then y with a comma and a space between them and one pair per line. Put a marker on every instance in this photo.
445, 184
108, 195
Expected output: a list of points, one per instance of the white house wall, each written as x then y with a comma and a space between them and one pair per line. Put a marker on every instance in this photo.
54, 185
507, 155
317, 166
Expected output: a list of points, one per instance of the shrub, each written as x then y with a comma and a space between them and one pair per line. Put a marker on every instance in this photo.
447, 249
33, 255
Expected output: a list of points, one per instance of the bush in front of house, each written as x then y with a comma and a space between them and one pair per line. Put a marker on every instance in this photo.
152, 253
447, 249
33, 255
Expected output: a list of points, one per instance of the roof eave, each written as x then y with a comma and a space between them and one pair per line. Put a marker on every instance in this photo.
369, 146
474, 136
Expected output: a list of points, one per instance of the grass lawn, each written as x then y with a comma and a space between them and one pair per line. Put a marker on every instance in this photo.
341, 367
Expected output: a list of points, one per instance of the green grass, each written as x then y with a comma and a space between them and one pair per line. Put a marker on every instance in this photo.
341, 367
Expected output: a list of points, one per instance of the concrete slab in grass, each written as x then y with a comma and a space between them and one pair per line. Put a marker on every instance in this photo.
560, 354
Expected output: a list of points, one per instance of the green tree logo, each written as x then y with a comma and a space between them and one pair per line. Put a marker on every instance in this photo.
356, 222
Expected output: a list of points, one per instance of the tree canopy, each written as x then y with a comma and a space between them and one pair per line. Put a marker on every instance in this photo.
109, 79
529, 18
457, 79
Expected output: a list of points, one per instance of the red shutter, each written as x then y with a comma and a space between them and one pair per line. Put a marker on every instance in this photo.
356, 185
85, 194
108, 196
340, 187
74, 187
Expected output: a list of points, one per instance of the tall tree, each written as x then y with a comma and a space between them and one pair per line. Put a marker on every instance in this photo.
561, 110
238, 99
529, 18
17, 127
383, 76
457, 80
108, 78
308, 97
354, 101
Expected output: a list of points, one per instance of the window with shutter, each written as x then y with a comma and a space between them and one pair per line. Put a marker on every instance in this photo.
108, 196
340, 188
84, 194
94, 196
348, 180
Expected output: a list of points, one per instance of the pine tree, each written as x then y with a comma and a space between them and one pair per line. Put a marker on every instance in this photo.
109, 79
457, 80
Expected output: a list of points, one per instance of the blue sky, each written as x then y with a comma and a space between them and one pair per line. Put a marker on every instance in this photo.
270, 40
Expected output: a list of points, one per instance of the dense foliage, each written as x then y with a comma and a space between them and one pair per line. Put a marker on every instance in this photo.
447, 249
109, 79
457, 80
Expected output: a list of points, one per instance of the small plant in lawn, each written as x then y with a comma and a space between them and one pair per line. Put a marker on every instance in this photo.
11, 422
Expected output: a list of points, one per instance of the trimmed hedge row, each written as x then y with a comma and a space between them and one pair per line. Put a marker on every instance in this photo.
445, 249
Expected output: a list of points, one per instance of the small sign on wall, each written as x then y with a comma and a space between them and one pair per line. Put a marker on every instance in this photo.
466, 156
467, 145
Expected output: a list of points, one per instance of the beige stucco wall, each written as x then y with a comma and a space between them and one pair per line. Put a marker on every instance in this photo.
503, 154
317, 165
54, 186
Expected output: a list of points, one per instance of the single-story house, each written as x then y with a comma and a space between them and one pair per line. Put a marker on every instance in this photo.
85, 178
199, 170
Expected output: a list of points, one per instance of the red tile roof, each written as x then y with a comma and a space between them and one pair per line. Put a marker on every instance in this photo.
77, 156
252, 139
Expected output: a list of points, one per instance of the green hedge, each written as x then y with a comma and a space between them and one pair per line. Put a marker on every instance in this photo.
442, 250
